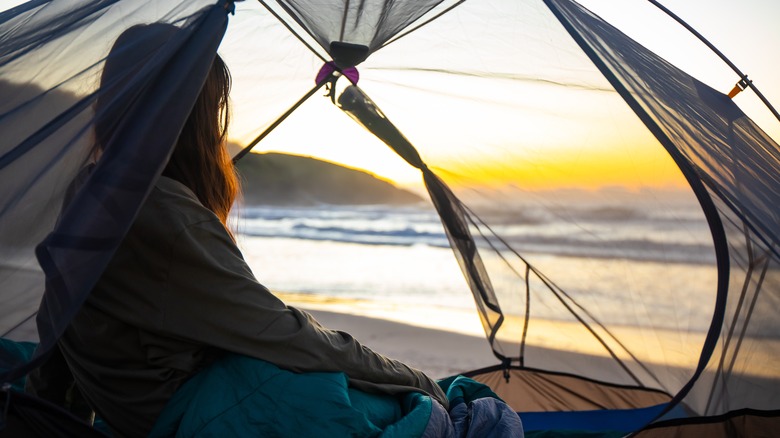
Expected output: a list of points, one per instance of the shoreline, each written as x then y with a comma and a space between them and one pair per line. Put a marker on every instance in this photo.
425, 317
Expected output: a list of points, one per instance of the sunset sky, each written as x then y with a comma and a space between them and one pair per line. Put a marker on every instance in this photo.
495, 93
493, 131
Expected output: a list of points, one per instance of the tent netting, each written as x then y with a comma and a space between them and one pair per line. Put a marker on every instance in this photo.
485, 99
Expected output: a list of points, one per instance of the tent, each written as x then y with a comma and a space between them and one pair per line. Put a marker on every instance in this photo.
484, 99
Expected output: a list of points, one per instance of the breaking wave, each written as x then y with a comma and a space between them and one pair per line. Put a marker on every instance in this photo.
602, 232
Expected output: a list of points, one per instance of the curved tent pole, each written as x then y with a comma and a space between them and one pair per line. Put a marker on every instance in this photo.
743, 82
699, 188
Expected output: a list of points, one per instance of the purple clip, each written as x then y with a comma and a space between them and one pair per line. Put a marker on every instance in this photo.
329, 67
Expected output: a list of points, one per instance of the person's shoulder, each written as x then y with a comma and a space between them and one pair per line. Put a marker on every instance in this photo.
174, 206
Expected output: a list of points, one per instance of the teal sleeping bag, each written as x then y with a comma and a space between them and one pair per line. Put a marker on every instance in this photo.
243, 396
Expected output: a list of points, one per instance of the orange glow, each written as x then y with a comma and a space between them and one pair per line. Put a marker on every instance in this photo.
593, 170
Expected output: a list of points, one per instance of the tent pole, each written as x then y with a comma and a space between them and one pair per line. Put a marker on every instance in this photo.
281, 118
292, 31
744, 81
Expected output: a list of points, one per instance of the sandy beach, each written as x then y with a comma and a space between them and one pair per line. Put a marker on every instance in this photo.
443, 343
438, 353
409, 337
446, 341
413, 335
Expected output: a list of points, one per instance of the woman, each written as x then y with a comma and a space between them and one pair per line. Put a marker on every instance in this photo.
178, 295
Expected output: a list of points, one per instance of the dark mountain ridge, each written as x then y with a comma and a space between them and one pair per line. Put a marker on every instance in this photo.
282, 179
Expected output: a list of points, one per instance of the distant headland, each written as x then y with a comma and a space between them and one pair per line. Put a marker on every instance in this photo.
281, 179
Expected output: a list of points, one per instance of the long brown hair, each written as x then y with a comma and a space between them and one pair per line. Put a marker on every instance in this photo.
200, 160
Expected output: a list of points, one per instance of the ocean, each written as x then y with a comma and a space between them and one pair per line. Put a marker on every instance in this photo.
626, 263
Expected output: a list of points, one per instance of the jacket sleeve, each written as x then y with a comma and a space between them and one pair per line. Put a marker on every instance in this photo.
213, 297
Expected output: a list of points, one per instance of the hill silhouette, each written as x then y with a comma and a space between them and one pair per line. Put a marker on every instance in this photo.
283, 179
267, 179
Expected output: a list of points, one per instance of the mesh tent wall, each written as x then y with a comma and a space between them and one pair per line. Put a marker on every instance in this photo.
470, 94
